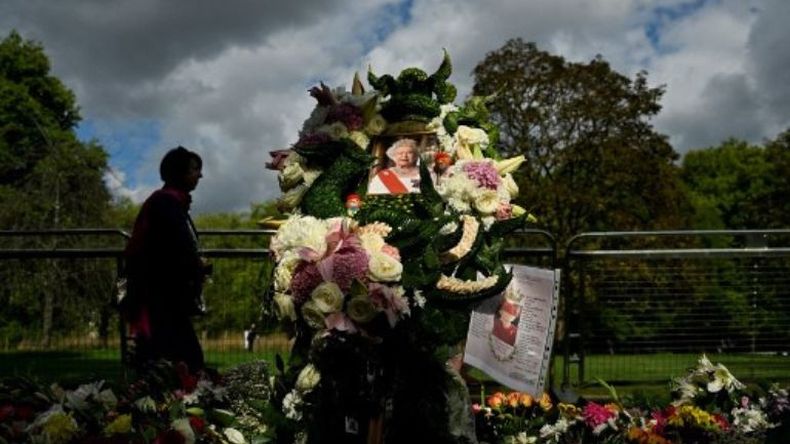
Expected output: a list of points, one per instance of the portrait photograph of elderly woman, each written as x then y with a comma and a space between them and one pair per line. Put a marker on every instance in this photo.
398, 158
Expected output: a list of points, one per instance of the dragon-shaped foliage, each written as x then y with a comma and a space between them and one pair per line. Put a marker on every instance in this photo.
415, 95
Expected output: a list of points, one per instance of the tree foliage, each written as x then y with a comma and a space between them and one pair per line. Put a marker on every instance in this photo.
594, 161
48, 179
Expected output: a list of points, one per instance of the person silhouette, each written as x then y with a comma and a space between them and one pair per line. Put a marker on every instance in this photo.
165, 272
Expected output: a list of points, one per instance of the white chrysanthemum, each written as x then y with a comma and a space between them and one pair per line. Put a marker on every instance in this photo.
449, 228
284, 307
459, 190
283, 273
300, 232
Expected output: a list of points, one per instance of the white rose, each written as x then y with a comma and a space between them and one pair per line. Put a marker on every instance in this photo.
234, 436
510, 185
290, 176
308, 378
360, 139
284, 307
487, 202
384, 268
376, 125
327, 297
371, 242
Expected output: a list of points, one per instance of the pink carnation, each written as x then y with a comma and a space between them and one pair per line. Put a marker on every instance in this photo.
348, 114
596, 414
504, 211
484, 173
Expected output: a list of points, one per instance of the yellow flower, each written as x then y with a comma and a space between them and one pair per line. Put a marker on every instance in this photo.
121, 424
569, 410
60, 428
545, 402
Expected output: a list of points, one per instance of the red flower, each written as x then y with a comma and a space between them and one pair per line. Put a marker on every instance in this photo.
188, 380
197, 423
721, 421
6, 411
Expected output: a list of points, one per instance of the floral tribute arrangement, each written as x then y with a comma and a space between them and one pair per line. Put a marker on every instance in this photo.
377, 287
169, 406
709, 406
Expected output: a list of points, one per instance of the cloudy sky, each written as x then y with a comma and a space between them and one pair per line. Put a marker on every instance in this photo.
230, 79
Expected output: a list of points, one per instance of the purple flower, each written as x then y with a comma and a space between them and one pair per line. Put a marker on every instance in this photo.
484, 173
313, 139
305, 278
348, 114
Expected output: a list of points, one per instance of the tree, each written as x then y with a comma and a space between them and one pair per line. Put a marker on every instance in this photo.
728, 185
48, 179
594, 161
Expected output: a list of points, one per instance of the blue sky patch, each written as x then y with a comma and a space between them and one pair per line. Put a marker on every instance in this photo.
662, 16
128, 143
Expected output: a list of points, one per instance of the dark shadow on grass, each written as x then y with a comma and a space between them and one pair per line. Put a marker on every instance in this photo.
65, 367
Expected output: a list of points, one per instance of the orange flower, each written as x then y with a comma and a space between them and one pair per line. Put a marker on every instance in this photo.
569, 410
526, 400
513, 399
496, 400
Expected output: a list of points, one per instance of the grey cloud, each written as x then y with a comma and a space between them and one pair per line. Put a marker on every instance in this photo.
728, 108
769, 58
123, 45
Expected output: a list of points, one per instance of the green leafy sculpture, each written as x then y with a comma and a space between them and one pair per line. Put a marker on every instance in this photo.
411, 95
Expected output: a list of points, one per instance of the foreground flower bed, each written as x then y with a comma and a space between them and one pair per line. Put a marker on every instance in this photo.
170, 406
709, 406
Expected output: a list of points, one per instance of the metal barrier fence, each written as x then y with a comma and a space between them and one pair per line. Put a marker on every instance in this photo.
642, 306
638, 307
41, 266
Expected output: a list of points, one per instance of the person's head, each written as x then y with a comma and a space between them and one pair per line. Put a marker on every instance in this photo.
403, 153
181, 168
508, 312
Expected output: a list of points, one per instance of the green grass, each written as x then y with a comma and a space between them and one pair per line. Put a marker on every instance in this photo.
78, 366
644, 375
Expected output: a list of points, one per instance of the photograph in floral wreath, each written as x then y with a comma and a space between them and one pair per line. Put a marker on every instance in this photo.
397, 166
